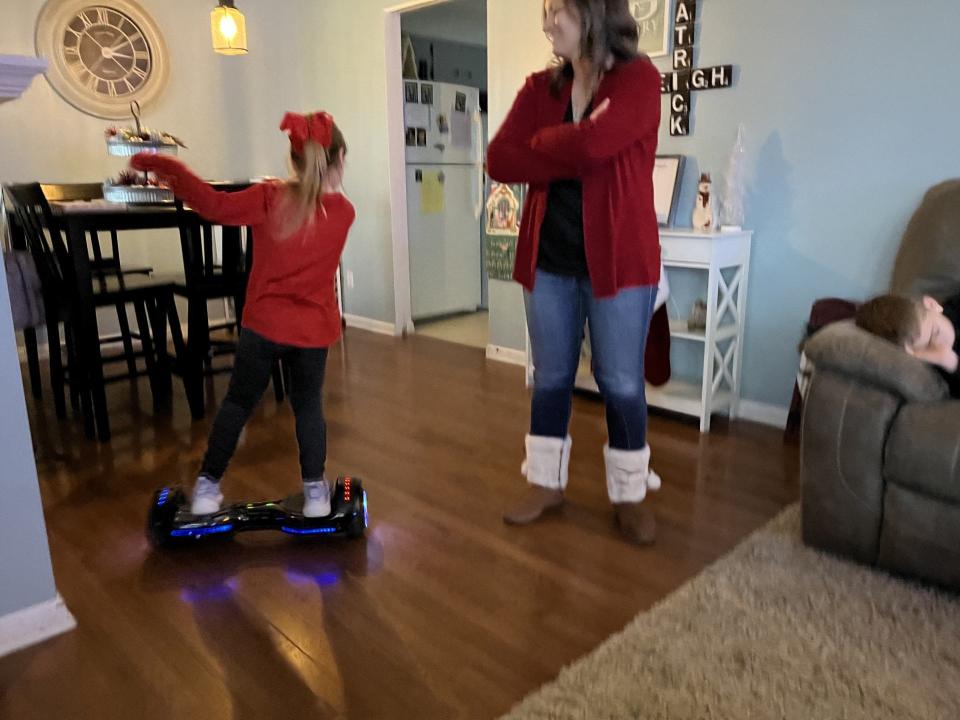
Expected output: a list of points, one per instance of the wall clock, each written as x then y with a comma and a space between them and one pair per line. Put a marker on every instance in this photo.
102, 55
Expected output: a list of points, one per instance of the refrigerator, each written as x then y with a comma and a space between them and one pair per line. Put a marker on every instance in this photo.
445, 184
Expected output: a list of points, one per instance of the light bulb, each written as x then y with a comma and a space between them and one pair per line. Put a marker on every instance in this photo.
228, 27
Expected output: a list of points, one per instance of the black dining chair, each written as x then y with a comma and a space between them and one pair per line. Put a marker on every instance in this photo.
37, 229
100, 263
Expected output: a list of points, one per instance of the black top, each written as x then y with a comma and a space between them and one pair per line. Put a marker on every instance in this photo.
561, 250
951, 310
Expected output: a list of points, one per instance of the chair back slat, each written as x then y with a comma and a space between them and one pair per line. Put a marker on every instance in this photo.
41, 233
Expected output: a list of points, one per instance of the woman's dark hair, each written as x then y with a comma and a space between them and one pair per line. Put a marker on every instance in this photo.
608, 32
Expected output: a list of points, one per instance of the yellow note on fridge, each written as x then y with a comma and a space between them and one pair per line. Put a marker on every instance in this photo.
431, 194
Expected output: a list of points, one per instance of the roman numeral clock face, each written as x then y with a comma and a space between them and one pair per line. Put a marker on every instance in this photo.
102, 55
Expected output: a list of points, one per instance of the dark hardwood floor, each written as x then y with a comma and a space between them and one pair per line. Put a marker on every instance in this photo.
441, 612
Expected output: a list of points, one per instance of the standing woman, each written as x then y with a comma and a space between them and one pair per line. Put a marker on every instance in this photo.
583, 135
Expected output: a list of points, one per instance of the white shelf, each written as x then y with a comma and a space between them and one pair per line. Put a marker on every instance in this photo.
585, 380
678, 329
685, 397
680, 396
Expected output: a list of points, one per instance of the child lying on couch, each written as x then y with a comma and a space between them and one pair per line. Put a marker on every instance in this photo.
924, 328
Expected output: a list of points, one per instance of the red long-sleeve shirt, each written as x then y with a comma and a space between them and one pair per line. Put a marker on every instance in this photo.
291, 293
613, 156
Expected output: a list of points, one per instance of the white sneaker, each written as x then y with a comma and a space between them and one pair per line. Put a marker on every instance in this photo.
316, 498
206, 497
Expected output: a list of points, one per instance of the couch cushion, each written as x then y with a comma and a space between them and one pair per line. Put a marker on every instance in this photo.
928, 262
921, 537
923, 452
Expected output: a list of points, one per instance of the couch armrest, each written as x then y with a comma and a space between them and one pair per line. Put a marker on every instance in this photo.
847, 350
846, 423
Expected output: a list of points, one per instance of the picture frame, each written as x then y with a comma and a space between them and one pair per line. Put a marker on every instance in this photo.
461, 102
426, 94
421, 137
411, 92
667, 178
654, 20
504, 207
503, 210
411, 137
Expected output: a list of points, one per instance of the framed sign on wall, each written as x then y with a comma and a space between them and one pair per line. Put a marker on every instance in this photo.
653, 20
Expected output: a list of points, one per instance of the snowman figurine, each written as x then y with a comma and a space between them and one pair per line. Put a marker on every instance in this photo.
703, 205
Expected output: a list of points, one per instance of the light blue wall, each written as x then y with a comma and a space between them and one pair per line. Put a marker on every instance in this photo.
26, 577
851, 111
507, 325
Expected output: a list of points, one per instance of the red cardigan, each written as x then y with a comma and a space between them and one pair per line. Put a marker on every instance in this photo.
291, 293
613, 156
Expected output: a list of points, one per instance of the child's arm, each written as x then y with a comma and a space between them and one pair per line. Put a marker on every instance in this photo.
246, 207
510, 159
946, 361
942, 357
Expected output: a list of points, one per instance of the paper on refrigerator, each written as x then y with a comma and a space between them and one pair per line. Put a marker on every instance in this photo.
431, 194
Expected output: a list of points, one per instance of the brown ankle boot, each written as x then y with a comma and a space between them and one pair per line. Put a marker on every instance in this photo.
536, 501
546, 467
629, 477
636, 522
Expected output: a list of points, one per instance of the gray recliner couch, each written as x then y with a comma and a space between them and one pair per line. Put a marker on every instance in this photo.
880, 458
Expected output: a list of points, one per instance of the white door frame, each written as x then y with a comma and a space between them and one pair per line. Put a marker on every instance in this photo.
397, 162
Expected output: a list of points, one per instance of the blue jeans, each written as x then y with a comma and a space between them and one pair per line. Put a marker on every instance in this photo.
557, 310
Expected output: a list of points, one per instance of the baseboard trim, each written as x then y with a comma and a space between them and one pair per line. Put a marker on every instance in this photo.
507, 355
763, 413
32, 625
369, 324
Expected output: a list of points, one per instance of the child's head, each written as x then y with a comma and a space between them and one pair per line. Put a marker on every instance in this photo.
914, 325
317, 153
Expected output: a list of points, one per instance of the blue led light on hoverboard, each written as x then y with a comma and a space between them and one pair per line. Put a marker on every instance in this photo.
164, 495
366, 513
308, 531
200, 532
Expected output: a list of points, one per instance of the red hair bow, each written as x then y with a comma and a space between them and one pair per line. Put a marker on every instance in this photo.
315, 127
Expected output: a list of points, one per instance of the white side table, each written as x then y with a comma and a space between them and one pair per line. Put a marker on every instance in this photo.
725, 259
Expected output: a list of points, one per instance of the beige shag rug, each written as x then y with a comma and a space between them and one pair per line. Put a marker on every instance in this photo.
773, 630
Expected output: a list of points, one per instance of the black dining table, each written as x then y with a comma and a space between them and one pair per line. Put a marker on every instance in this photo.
78, 219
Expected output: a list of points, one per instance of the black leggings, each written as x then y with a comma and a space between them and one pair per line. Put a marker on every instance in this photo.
251, 374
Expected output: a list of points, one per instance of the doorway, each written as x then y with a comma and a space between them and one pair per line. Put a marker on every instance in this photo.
437, 76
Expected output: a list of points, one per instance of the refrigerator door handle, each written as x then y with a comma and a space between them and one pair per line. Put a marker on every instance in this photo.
477, 122
479, 176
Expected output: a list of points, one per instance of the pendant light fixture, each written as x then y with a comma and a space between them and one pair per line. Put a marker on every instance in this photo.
229, 29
